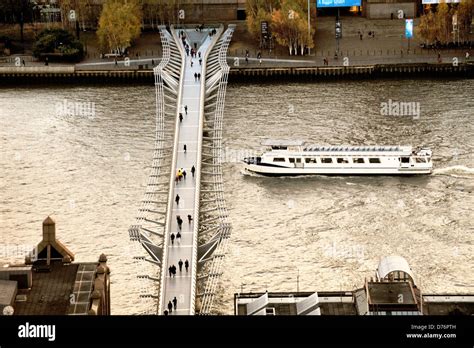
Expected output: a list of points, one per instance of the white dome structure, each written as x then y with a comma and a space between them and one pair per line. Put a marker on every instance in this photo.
394, 268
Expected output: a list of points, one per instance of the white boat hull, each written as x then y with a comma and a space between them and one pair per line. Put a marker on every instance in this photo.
284, 171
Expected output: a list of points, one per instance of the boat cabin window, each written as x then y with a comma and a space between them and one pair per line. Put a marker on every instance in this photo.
278, 159
326, 160
358, 160
298, 160
374, 160
310, 160
405, 159
279, 147
292, 160
342, 160
420, 160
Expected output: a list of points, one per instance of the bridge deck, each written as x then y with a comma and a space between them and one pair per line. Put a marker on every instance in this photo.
180, 285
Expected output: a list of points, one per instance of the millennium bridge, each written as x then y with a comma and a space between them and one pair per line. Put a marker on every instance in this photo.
181, 231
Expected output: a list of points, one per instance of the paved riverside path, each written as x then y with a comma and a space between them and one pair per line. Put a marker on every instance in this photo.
180, 285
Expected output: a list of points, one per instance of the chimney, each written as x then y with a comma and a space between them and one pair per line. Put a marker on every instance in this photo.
50, 248
49, 236
49, 230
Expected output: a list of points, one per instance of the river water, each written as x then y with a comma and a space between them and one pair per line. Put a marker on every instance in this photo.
313, 233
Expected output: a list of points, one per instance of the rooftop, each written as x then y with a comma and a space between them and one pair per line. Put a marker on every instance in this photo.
393, 292
285, 303
50, 284
50, 292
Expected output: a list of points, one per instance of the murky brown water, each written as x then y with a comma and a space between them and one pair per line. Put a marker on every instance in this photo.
91, 172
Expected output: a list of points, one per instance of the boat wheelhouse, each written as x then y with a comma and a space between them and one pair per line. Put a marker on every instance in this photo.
295, 157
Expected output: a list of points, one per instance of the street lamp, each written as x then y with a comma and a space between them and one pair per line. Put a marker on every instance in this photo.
309, 26
85, 38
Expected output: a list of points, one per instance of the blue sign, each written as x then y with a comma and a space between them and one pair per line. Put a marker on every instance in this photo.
337, 3
408, 28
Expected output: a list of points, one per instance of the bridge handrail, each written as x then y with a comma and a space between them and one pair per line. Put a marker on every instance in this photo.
199, 166
224, 227
169, 209
140, 264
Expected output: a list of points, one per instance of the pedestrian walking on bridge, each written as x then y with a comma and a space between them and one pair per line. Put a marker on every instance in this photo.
173, 270
180, 117
184, 147
193, 170
177, 199
186, 108
186, 265
180, 264
170, 307
178, 238
172, 238
175, 302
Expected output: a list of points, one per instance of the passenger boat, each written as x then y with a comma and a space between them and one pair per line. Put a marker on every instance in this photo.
294, 157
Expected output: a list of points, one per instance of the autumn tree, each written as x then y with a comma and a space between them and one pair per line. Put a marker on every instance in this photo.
288, 22
424, 30
290, 26
119, 24
257, 12
465, 11
443, 23
437, 26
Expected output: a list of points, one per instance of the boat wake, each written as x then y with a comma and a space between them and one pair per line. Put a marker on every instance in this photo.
252, 174
455, 171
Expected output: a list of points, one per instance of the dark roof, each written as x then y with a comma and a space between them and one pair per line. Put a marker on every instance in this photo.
50, 294
391, 293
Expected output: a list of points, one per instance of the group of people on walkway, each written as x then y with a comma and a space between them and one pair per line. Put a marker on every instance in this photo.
212, 32
247, 56
189, 50
177, 237
172, 304
181, 175
172, 268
